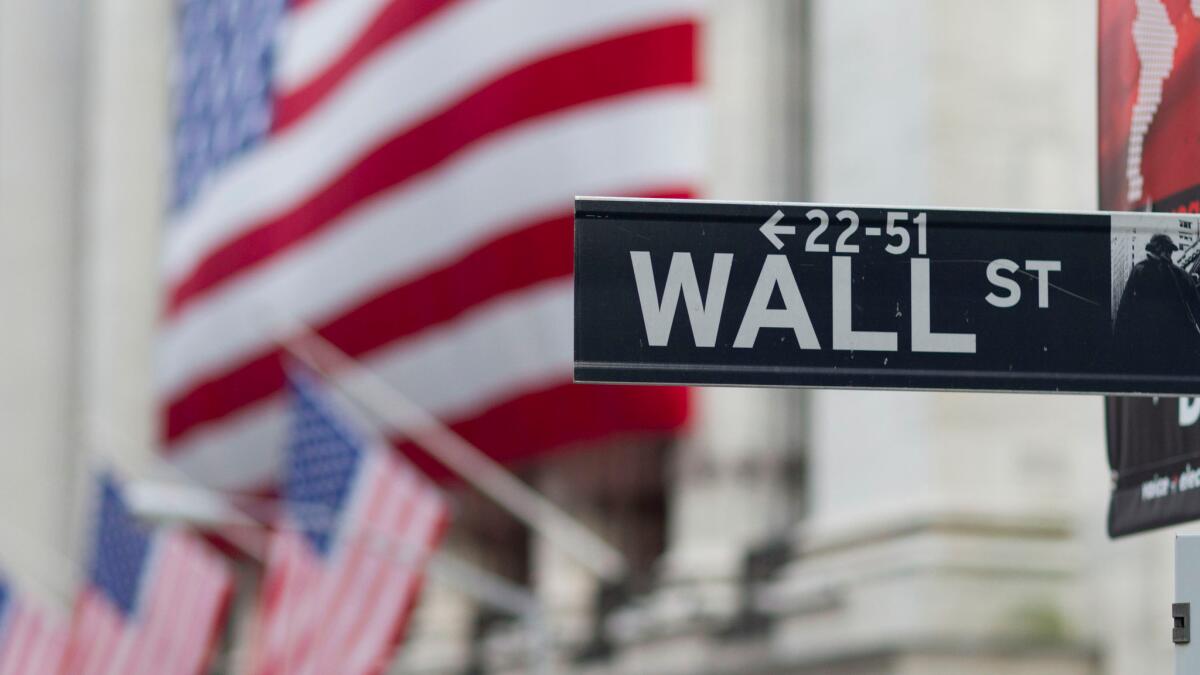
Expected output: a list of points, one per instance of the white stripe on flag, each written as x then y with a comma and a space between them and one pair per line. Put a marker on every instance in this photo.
468, 46
312, 37
451, 370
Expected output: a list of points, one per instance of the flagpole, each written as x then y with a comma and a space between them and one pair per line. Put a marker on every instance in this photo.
445, 445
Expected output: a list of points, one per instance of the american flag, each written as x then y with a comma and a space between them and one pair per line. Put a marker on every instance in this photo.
399, 174
32, 639
345, 564
153, 599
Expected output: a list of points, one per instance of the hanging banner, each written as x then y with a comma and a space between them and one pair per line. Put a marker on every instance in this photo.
827, 295
1149, 154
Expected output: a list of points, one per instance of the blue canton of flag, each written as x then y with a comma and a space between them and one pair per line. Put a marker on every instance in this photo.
323, 455
120, 548
223, 94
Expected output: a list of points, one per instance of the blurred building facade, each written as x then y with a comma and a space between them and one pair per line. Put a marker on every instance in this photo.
790, 532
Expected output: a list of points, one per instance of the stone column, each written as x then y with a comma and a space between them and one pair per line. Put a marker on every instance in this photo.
943, 526
127, 170
41, 85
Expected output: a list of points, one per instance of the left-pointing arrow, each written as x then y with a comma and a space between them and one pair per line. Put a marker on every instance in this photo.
772, 229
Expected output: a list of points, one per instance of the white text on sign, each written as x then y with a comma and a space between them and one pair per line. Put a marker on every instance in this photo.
705, 309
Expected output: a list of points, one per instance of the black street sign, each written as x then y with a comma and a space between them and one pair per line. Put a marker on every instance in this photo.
818, 295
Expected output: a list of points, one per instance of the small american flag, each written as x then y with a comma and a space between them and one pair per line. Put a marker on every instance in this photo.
399, 175
345, 565
32, 640
153, 599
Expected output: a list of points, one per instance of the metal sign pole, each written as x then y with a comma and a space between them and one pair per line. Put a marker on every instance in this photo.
1187, 596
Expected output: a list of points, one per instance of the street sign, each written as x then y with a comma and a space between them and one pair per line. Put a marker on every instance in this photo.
818, 295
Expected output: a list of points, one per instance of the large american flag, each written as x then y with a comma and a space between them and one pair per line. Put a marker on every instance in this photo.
153, 599
32, 638
398, 174
345, 564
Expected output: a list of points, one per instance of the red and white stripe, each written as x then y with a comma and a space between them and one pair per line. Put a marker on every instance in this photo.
32, 641
345, 614
173, 630
413, 204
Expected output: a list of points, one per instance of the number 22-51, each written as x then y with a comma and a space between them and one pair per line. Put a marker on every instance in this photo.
899, 239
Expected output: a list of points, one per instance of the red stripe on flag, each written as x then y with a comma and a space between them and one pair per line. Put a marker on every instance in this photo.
395, 19
439, 296
570, 413
654, 58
